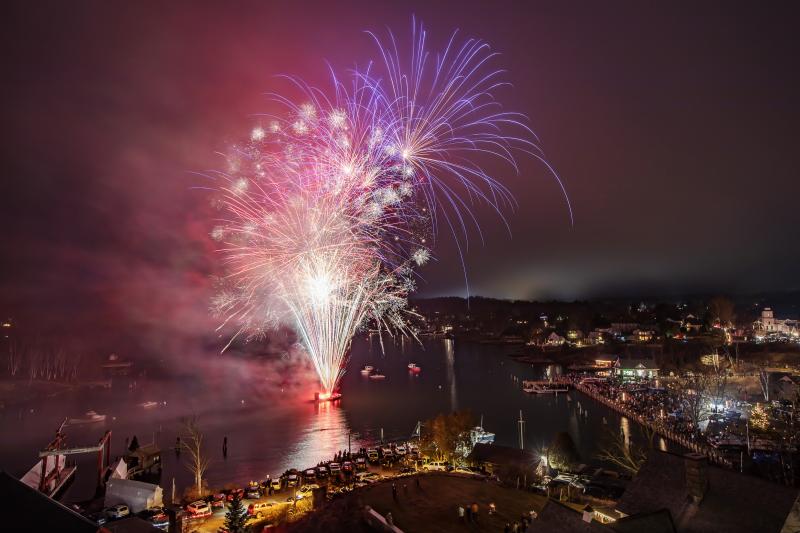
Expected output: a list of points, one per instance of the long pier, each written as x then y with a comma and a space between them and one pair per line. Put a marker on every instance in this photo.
713, 455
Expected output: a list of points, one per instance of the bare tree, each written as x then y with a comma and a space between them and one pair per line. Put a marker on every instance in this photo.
192, 442
700, 394
620, 451
722, 311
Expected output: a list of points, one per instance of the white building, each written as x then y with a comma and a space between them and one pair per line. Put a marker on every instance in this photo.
768, 324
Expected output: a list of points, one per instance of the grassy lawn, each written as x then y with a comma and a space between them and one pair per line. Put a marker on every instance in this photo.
432, 507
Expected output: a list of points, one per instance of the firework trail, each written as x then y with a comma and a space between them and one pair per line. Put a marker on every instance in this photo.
329, 207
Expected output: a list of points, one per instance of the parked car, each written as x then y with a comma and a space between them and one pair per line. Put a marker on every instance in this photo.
372, 455
361, 464
335, 468
258, 509
217, 501
347, 467
292, 480
253, 491
118, 511
434, 466
386, 451
400, 450
235, 492
156, 516
199, 509
322, 472
309, 475
276, 484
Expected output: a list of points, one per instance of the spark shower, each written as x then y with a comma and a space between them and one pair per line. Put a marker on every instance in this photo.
330, 205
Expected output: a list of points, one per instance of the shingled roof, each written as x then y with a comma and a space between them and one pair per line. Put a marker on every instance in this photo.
558, 518
30, 510
732, 502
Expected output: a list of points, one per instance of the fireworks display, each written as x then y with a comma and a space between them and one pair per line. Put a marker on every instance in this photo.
329, 207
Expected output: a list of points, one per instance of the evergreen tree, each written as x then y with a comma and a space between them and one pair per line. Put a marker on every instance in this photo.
759, 418
236, 518
134, 444
562, 453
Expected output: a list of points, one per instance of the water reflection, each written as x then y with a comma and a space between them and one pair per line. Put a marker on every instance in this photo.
269, 436
325, 435
450, 361
625, 430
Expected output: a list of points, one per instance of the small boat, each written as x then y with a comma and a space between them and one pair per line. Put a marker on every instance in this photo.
367, 369
149, 405
412, 367
480, 435
377, 375
91, 417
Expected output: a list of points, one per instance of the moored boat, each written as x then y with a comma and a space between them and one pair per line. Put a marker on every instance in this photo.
367, 369
91, 417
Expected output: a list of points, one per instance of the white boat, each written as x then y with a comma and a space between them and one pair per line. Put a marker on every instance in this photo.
367, 369
149, 405
377, 375
478, 435
91, 417
414, 368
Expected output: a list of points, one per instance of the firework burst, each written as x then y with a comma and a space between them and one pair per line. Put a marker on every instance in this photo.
329, 207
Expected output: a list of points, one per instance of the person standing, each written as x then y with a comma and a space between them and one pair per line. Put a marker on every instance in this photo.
461, 514
475, 511
469, 513
394, 492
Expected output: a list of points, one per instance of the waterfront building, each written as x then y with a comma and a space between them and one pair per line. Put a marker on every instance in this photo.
626, 369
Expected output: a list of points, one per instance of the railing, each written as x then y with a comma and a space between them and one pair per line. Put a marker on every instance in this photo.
713, 455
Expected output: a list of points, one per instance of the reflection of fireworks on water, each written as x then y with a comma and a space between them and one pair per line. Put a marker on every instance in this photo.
328, 208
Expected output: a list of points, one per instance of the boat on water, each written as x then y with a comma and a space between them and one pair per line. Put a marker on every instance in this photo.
412, 367
322, 397
377, 375
90, 418
149, 405
534, 387
367, 369
478, 435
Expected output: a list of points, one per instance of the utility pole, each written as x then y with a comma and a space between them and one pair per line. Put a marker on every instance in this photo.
521, 424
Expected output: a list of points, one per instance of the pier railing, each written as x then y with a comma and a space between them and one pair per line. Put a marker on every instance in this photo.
714, 456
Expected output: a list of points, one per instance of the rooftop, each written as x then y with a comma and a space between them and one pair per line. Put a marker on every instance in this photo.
732, 502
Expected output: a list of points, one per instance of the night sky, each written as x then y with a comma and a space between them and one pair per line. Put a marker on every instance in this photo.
673, 126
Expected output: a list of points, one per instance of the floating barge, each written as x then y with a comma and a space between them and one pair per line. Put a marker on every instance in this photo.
544, 387
322, 397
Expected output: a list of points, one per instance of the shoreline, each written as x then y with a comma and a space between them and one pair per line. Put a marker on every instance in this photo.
713, 456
